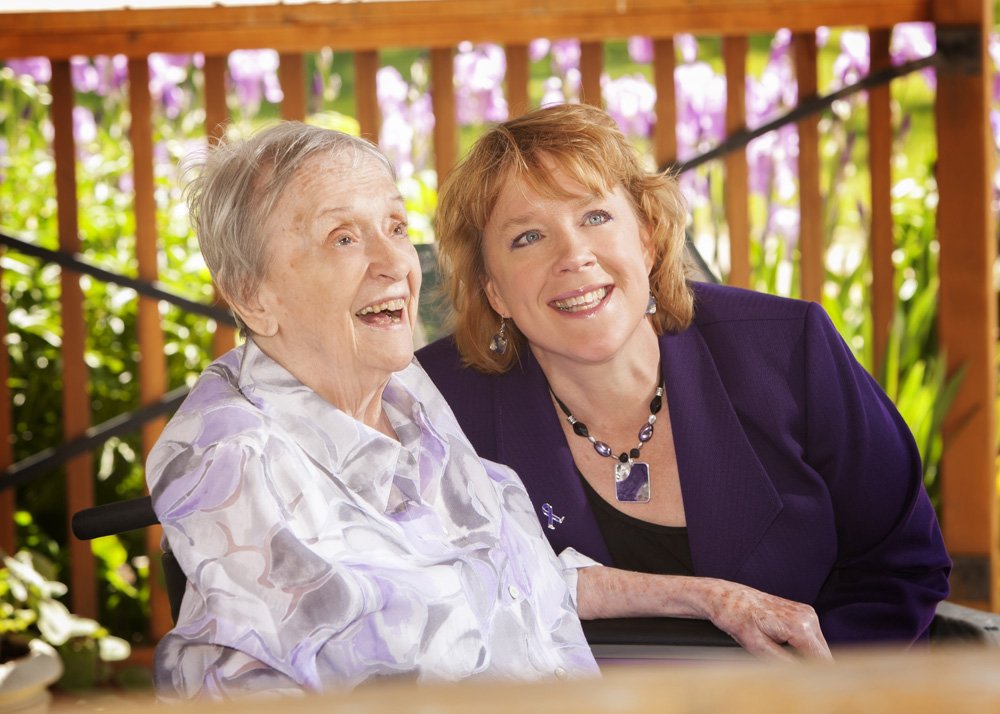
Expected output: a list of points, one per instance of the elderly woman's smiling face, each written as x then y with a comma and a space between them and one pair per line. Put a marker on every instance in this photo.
339, 302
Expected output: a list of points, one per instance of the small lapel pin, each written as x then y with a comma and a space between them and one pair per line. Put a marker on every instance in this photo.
552, 517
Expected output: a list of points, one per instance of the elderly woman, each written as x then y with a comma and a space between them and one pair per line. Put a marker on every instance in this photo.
666, 426
334, 523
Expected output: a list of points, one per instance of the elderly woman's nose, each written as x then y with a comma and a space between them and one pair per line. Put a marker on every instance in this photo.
391, 256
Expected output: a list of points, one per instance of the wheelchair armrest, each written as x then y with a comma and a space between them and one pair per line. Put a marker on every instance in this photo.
114, 518
653, 638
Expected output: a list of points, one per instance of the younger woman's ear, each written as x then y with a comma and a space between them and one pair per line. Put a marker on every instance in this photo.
494, 297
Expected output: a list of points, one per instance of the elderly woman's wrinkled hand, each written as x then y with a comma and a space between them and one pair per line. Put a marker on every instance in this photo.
765, 625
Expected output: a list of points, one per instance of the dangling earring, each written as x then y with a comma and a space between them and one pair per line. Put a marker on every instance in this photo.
651, 305
498, 345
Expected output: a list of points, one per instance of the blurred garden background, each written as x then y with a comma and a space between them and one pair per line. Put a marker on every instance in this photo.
913, 372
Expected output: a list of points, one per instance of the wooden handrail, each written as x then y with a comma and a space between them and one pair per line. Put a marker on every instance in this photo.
423, 23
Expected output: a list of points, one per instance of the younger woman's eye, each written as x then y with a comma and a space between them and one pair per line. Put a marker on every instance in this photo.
402, 230
596, 218
526, 238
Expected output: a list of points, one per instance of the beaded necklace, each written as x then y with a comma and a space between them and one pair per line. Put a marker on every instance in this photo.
631, 476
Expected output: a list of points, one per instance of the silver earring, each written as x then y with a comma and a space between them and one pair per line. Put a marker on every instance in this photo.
498, 345
651, 305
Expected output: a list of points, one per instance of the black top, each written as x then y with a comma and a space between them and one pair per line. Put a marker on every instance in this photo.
638, 545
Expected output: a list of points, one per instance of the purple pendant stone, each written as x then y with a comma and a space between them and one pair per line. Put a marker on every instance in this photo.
602, 448
646, 433
634, 488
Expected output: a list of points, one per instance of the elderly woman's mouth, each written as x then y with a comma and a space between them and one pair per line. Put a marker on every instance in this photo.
383, 313
580, 303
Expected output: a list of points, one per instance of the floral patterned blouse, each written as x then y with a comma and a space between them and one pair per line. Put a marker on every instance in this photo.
321, 553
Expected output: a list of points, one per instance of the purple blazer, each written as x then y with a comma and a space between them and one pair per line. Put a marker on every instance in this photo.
798, 475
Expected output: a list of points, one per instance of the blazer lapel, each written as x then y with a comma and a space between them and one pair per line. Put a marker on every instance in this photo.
530, 440
728, 498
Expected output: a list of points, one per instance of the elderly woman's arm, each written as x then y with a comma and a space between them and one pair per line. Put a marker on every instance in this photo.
761, 623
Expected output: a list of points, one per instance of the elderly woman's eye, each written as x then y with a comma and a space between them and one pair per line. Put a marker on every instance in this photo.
343, 239
527, 238
596, 218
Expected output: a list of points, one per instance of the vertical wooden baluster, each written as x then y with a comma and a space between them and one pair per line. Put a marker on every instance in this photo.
216, 120
880, 167
366, 93
811, 243
152, 365
443, 101
665, 134
734, 53
517, 80
591, 66
292, 69
967, 316
75, 398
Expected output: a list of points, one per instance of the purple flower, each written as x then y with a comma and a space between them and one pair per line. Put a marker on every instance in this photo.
630, 100
566, 56
701, 106
538, 49
38, 68
688, 46
552, 92
84, 126
913, 41
167, 72
479, 75
640, 49
407, 122
854, 59
112, 73
83, 74
254, 75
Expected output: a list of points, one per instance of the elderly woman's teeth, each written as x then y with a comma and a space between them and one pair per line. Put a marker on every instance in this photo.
586, 301
391, 309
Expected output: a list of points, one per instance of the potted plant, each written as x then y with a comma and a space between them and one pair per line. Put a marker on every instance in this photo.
40, 637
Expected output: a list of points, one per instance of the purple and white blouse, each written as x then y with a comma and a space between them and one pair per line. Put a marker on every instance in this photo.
321, 553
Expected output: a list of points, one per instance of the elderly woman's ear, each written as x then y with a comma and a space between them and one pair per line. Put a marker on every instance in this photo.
256, 316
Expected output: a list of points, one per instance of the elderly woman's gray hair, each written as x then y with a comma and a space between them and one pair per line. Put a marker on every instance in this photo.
236, 188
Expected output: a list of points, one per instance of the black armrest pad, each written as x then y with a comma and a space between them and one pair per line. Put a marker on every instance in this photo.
672, 631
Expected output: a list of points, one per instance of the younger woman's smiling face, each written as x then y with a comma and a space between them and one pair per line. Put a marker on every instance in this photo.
571, 269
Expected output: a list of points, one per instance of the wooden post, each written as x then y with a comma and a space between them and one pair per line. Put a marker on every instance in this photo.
811, 243
292, 69
443, 101
152, 365
881, 243
665, 134
366, 93
967, 301
591, 66
518, 76
75, 397
734, 53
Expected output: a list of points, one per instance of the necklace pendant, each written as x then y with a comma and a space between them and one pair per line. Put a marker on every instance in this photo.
632, 482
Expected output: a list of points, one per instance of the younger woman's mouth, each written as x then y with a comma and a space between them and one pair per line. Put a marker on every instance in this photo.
581, 303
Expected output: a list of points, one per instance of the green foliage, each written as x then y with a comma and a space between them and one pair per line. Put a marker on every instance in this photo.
30, 607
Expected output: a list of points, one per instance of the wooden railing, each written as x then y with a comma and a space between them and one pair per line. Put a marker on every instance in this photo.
968, 308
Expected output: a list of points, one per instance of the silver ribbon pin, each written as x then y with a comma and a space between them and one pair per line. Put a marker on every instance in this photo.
553, 518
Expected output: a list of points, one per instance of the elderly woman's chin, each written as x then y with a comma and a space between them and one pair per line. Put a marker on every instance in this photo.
386, 345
